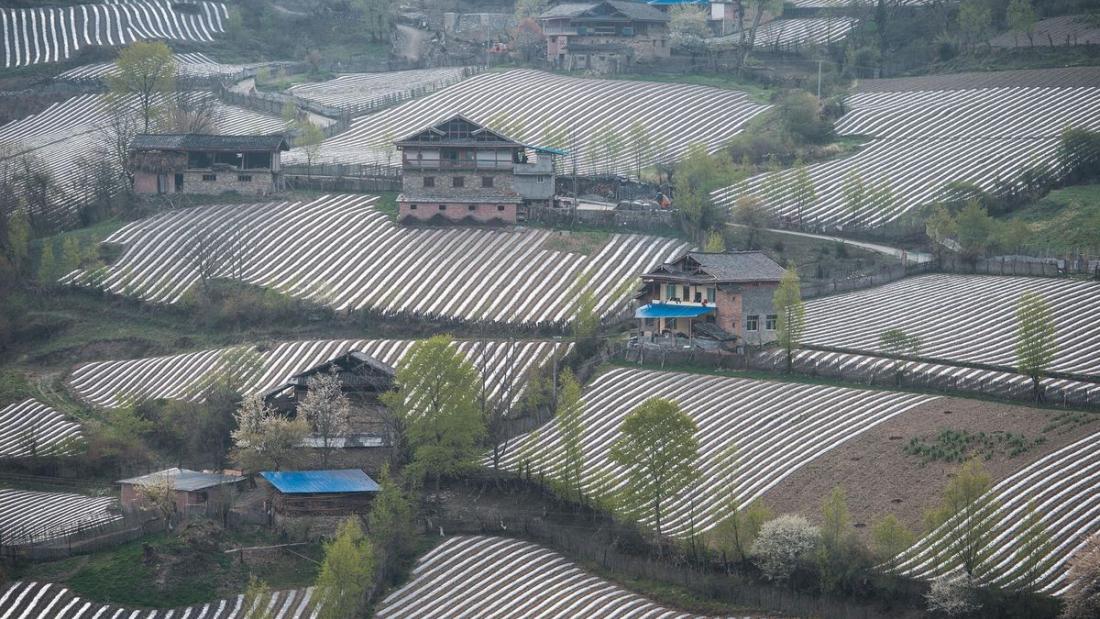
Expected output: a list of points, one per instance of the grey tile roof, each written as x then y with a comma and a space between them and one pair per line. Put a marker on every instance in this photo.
633, 10
183, 479
196, 141
733, 267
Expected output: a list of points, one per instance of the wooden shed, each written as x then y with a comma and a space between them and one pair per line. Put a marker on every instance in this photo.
320, 493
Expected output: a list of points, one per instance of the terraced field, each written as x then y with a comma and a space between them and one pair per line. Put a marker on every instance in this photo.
188, 66
504, 364
27, 516
340, 251
30, 428
786, 34
66, 135
54, 34
532, 106
41, 600
926, 139
358, 92
1065, 489
776, 429
481, 576
1053, 32
962, 318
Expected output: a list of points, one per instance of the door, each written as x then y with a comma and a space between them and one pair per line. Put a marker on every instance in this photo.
179, 183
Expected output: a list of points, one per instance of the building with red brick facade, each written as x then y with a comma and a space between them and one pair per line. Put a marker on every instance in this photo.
604, 37
718, 296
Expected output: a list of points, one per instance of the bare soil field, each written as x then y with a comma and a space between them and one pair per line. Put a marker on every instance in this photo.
880, 478
1035, 78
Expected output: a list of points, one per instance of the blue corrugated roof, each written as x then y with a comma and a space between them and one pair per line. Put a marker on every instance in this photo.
675, 2
311, 482
671, 310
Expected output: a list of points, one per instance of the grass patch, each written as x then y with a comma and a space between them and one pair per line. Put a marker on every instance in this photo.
757, 92
585, 243
1064, 221
959, 446
387, 203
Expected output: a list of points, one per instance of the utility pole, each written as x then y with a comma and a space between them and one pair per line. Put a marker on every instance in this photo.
819, 78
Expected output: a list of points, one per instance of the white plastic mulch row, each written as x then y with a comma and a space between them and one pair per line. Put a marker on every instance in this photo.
42, 600
54, 34
504, 364
796, 32
30, 428
534, 105
967, 318
67, 134
1064, 489
27, 516
359, 91
776, 428
341, 252
194, 65
482, 576
924, 141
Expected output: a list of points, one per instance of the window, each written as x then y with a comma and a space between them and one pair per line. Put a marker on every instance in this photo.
712, 295
429, 181
209, 177
472, 207
670, 291
500, 207
244, 178
442, 207
771, 321
486, 181
670, 323
687, 293
752, 322
412, 207
458, 181
698, 297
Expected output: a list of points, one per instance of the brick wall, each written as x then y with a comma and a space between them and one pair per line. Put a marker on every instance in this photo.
456, 212
412, 182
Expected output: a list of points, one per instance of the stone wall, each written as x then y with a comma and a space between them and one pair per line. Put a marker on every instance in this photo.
456, 212
412, 182
257, 183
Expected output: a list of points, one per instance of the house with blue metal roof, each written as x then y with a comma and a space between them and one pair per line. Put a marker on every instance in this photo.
324, 492
722, 299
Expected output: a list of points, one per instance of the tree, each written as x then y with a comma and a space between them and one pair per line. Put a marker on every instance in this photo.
790, 313
783, 544
390, 524
327, 410
890, 538
804, 192
1082, 597
748, 37
697, 174
839, 553
716, 242
529, 39
975, 20
608, 145
309, 139
1034, 549
658, 449
147, 72
1035, 345
160, 494
376, 18
19, 240
940, 227
750, 212
952, 595
347, 573
256, 600
965, 513
569, 421
898, 344
855, 194
975, 230
736, 534
530, 8
264, 439
687, 29
586, 320
437, 402
47, 271
1021, 19
640, 144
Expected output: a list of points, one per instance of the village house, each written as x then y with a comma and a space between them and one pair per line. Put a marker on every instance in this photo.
720, 297
721, 14
316, 495
207, 164
460, 171
196, 493
604, 37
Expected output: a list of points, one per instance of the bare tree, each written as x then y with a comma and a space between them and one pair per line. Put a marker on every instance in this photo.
206, 256
193, 112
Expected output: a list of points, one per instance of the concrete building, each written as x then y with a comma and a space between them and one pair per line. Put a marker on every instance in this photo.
460, 171
604, 37
196, 493
207, 164
722, 297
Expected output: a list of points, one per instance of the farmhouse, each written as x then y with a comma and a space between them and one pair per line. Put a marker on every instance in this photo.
604, 37
319, 493
207, 164
196, 493
715, 296
458, 170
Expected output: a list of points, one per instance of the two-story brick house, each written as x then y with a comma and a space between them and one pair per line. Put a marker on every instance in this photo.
604, 36
207, 164
460, 171
723, 296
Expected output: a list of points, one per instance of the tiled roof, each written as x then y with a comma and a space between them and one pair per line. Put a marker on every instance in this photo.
196, 141
633, 10
738, 266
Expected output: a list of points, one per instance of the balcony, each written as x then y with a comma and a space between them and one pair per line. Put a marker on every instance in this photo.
542, 166
457, 165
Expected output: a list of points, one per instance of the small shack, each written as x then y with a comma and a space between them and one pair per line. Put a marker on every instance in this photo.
207, 164
196, 493
320, 493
